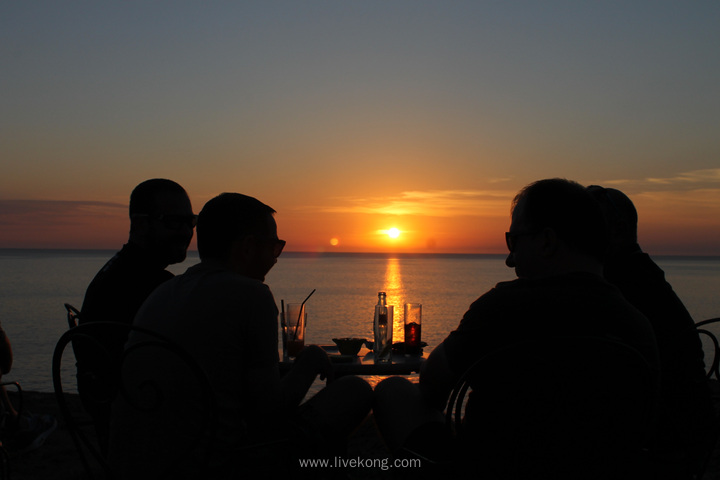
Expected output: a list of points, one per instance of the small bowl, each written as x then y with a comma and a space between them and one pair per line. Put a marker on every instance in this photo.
349, 346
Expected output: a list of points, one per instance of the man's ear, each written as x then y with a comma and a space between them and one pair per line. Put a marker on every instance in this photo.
139, 229
550, 242
241, 249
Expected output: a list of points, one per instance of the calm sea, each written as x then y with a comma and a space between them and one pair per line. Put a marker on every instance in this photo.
34, 284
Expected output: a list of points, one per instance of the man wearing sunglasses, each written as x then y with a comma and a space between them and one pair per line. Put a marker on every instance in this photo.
161, 227
556, 244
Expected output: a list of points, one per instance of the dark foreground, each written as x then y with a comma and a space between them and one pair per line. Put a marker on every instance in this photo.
57, 459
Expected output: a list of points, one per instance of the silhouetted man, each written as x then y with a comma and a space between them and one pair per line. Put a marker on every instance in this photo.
224, 315
161, 227
686, 413
556, 243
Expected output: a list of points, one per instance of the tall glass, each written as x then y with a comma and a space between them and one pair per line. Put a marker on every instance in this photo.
383, 330
413, 327
294, 329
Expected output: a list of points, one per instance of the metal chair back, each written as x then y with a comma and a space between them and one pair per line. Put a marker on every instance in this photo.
712, 372
73, 315
169, 416
712, 368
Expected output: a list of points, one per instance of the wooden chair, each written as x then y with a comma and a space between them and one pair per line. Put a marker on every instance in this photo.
556, 408
172, 382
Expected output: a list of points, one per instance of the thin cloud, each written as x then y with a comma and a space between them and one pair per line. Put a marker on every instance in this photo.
55, 212
710, 175
500, 180
434, 203
692, 179
701, 198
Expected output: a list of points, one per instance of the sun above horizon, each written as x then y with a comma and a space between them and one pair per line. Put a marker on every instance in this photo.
393, 233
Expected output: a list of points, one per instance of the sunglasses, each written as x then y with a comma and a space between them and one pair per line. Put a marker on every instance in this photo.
276, 243
172, 221
511, 238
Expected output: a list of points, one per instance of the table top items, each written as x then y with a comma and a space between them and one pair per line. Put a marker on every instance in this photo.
360, 356
349, 346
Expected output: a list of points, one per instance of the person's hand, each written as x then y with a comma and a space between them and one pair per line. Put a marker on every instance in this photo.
316, 360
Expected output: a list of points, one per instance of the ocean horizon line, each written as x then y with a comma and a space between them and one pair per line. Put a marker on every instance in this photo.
16, 251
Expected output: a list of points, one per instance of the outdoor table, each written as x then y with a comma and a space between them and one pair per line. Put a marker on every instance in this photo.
364, 363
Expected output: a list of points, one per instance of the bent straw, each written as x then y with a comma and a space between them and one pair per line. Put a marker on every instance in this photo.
302, 305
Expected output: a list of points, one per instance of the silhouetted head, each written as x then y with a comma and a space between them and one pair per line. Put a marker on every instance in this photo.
556, 227
240, 231
620, 215
161, 219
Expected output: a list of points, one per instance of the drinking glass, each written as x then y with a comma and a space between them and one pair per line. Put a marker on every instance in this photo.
413, 327
294, 329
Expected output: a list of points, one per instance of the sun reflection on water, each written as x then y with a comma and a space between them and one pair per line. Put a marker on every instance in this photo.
395, 290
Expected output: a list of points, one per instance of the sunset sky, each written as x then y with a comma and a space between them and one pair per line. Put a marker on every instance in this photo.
351, 118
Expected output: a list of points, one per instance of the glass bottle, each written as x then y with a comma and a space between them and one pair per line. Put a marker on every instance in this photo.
382, 329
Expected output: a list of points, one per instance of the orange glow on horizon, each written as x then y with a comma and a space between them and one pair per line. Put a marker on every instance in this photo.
670, 224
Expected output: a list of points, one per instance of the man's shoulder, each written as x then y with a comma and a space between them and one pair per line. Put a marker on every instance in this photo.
120, 287
221, 280
517, 298
129, 263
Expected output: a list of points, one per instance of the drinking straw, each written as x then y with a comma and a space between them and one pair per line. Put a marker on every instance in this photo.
300, 313
283, 325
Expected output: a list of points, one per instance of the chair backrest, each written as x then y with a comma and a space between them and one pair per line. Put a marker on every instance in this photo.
162, 400
568, 407
712, 357
73, 315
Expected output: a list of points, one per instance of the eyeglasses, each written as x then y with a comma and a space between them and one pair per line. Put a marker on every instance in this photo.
511, 238
171, 221
276, 243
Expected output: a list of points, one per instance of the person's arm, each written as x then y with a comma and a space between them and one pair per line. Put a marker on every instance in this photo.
265, 400
257, 338
437, 379
311, 362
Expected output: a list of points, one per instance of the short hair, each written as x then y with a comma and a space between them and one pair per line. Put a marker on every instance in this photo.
620, 212
143, 197
226, 218
569, 210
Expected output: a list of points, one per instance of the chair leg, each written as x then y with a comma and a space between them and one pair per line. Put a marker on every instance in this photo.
4, 463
